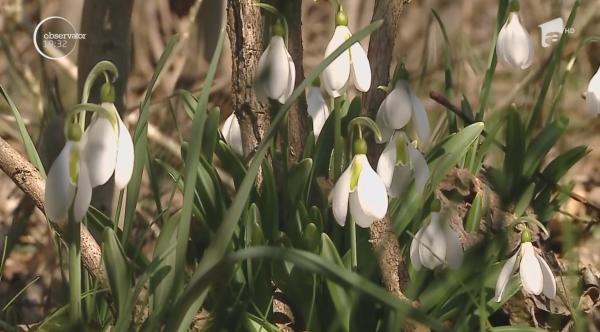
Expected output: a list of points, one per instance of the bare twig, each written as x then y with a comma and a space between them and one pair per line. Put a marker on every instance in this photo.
29, 180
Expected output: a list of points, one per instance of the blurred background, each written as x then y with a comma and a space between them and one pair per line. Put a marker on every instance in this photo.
38, 85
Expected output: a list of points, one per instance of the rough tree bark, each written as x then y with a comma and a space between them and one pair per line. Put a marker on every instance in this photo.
28, 179
298, 123
244, 30
381, 45
107, 29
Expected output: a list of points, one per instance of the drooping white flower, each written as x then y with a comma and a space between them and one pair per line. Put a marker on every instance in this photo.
360, 190
352, 62
108, 148
317, 108
68, 184
514, 46
232, 134
435, 244
276, 74
536, 276
400, 108
592, 97
399, 163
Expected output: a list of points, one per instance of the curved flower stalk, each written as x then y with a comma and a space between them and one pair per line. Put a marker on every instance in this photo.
402, 108
352, 62
592, 97
514, 46
108, 145
435, 244
317, 108
536, 276
276, 73
68, 183
359, 189
399, 162
232, 134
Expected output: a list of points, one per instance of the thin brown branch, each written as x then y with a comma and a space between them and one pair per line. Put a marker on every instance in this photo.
442, 100
29, 180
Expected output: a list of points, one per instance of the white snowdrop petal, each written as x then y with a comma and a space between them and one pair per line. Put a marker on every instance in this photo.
371, 191
414, 250
400, 180
233, 134
262, 75
397, 106
530, 270
420, 168
125, 156
504, 276
100, 150
454, 250
387, 163
549, 288
317, 108
59, 190
515, 46
420, 119
336, 75
592, 96
432, 250
341, 192
361, 69
360, 217
386, 130
278, 69
83, 196
291, 80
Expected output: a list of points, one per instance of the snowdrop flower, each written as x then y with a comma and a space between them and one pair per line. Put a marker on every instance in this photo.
361, 190
592, 96
68, 183
400, 108
435, 244
352, 61
514, 46
399, 162
276, 72
108, 146
232, 134
317, 108
536, 276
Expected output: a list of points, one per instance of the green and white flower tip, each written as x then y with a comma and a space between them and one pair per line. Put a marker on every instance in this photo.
514, 46
435, 244
108, 145
399, 163
68, 183
317, 108
276, 74
232, 134
536, 276
353, 62
359, 189
592, 97
402, 108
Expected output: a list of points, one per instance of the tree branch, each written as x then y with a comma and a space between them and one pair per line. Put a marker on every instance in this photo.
29, 180
381, 44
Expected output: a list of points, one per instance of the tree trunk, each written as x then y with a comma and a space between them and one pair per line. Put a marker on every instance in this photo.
244, 30
107, 29
298, 123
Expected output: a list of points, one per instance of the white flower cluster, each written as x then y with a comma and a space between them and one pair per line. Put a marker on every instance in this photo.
88, 160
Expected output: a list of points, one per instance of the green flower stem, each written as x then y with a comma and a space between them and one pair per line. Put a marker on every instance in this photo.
74, 270
101, 68
353, 255
338, 143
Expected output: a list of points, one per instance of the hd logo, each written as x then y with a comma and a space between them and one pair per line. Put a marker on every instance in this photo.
552, 31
